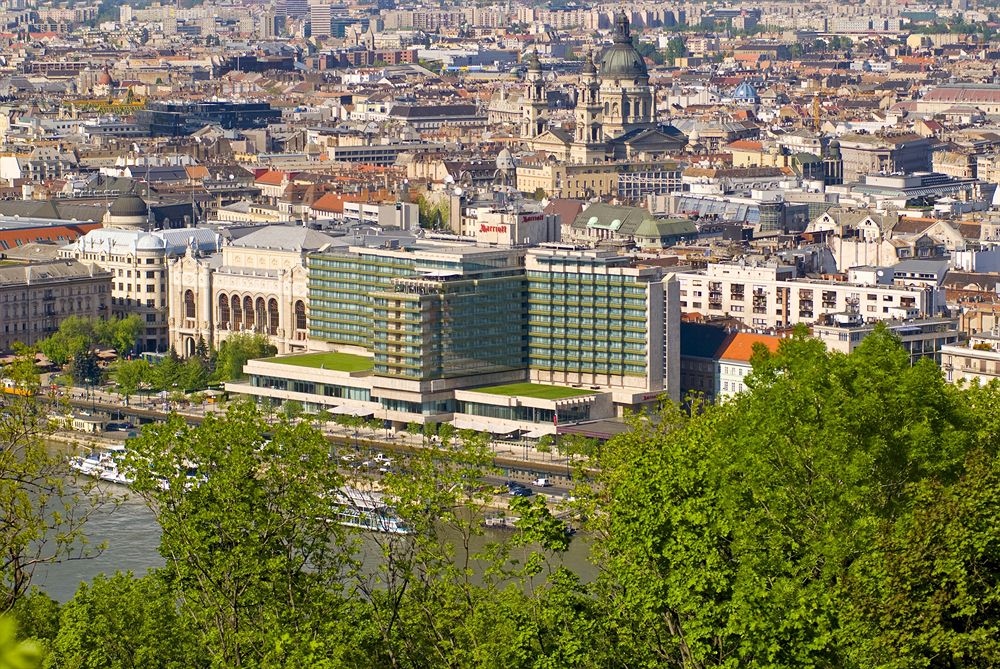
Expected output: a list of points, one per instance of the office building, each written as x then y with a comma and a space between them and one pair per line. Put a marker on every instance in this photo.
174, 119
921, 337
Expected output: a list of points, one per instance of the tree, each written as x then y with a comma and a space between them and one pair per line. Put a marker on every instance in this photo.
292, 409
250, 547
193, 375
125, 334
236, 350
167, 372
129, 375
16, 654
201, 349
730, 534
121, 622
676, 48
84, 369
928, 595
43, 518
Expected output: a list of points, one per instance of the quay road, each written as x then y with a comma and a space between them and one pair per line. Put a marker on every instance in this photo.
518, 462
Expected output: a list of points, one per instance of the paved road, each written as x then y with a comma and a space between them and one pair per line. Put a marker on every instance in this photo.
519, 462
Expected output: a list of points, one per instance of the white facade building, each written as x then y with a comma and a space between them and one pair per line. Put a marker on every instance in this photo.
772, 296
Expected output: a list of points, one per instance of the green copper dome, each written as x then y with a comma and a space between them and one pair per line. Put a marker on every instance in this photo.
621, 60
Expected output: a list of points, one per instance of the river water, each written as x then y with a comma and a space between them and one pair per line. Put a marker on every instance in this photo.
132, 536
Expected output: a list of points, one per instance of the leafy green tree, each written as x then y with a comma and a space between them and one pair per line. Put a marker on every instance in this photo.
928, 595
84, 369
125, 334
167, 373
37, 616
250, 549
193, 373
124, 622
730, 534
16, 654
236, 350
129, 375
676, 48
43, 517
292, 409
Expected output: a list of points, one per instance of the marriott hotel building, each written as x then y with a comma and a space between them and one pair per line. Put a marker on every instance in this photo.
491, 339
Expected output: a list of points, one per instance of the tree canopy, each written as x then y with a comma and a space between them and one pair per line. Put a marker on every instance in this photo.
843, 512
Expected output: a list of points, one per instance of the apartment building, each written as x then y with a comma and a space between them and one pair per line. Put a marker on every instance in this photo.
36, 298
772, 296
977, 362
921, 337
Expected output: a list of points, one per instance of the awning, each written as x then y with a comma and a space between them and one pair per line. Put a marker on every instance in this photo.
351, 411
537, 433
480, 424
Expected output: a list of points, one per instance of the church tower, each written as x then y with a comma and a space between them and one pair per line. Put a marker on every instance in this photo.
588, 142
534, 104
626, 95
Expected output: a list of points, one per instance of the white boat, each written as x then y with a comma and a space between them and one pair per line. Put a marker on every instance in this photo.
367, 511
102, 465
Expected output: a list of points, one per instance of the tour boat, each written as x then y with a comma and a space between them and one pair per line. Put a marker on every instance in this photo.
367, 511
103, 465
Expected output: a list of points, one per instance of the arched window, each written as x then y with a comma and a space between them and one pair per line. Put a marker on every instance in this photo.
272, 316
261, 315
189, 311
248, 313
224, 312
300, 315
237, 313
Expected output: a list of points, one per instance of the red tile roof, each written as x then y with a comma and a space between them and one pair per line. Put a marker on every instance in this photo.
739, 345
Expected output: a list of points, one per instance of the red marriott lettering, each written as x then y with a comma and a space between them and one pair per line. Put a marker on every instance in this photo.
492, 228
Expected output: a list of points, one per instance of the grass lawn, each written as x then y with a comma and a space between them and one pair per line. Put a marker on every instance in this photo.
534, 390
341, 362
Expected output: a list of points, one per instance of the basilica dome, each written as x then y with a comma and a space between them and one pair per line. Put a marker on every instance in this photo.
621, 60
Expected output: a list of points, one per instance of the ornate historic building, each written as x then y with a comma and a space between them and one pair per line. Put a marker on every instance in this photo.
615, 111
138, 262
257, 283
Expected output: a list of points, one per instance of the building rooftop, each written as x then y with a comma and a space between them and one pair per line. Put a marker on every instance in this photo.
340, 362
739, 345
536, 390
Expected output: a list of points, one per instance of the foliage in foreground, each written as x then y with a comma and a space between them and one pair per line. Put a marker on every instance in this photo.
844, 513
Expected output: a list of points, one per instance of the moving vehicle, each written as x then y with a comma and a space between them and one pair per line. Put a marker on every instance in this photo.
542, 482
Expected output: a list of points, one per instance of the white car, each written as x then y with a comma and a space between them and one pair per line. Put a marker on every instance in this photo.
542, 482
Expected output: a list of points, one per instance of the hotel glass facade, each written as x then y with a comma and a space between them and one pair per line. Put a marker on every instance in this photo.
440, 318
450, 327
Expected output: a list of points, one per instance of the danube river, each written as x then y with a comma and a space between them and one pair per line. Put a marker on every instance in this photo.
132, 535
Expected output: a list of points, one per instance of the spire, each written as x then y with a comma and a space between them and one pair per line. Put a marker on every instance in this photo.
621, 28
534, 65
